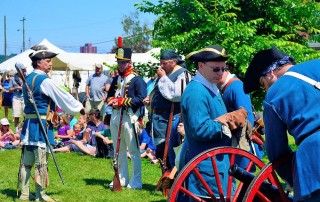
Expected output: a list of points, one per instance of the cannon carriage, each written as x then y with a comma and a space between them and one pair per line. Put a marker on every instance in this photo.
261, 185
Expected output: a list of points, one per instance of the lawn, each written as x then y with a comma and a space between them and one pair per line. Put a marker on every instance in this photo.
86, 178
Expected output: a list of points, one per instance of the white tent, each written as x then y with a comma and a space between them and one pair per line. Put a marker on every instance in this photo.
24, 57
74, 61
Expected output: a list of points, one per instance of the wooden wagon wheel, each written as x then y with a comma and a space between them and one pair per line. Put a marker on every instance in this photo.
179, 187
264, 190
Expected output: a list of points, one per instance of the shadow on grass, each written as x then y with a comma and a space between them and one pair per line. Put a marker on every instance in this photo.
92, 181
105, 184
10, 193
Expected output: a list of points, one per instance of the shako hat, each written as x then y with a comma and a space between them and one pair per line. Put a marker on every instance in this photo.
261, 61
209, 53
123, 54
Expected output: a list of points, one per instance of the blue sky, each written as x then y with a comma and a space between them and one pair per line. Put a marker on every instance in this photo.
68, 24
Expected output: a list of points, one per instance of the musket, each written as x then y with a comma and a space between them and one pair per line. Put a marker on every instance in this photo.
33, 102
116, 179
19, 172
163, 162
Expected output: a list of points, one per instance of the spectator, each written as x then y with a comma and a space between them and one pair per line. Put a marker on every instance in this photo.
96, 90
94, 125
104, 144
147, 148
62, 131
15, 87
77, 135
7, 95
8, 139
112, 75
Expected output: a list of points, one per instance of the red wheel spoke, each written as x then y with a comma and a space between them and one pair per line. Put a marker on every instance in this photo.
217, 176
205, 185
193, 196
179, 188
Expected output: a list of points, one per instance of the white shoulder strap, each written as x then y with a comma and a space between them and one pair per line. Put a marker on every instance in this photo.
304, 78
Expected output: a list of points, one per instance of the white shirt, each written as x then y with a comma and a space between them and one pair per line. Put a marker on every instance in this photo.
172, 90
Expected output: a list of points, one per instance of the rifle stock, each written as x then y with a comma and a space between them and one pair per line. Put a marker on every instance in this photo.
32, 101
116, 179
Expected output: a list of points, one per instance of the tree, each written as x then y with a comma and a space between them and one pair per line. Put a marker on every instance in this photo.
135, 36
243, 27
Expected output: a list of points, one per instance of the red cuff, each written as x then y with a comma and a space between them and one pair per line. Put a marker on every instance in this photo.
120, 101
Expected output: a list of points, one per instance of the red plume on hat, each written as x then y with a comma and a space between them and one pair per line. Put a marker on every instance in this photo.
123, 53
120, 42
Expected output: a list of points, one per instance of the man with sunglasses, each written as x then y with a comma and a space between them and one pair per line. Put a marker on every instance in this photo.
291, 106
127, 91
204, 115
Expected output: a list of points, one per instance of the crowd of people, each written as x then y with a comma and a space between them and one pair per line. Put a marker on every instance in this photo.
112, 124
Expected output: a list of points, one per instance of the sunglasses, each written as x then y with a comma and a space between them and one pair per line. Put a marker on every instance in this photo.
218, 69
5, 125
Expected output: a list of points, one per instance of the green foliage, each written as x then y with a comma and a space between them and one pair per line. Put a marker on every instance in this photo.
243, 27
136, 35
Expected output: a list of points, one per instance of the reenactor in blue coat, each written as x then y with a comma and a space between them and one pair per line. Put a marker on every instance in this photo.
47, 95
204, 114
291, 106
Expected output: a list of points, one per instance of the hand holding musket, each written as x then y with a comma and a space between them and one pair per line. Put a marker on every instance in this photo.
32, 101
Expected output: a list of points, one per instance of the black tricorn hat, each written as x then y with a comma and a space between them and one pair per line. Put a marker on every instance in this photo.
42, 54
209, 53
123, 54
260, 62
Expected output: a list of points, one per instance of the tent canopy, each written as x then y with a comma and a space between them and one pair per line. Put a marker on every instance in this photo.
73, 61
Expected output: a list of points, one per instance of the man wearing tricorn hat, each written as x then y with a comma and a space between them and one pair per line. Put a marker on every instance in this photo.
167, 91
127, 91
203, 121
46, 94
291, 105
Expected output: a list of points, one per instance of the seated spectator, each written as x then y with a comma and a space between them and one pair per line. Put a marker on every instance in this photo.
62, 130
73, 120
8, 139
147, 148
105, 147
76, 135
94, 125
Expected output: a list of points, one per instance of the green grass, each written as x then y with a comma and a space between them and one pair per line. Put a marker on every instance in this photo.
86, 178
